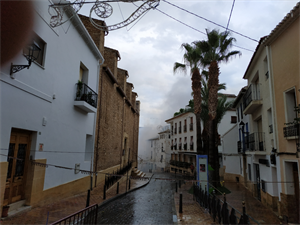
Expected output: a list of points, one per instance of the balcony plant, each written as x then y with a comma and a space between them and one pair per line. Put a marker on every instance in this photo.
79, 89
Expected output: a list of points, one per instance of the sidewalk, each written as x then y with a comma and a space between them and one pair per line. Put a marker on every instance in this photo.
193, 213
65, 207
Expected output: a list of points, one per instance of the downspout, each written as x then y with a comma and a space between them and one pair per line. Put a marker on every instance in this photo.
99, 118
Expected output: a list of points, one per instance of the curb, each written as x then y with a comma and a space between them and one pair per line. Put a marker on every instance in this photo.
121, 195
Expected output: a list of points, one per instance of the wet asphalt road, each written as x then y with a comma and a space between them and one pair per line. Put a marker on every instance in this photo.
152, 204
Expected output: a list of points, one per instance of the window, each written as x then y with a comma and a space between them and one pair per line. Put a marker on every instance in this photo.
233, 119
238, 114
161, 158
290, 103
263, 185
241, 108
42, 45
270, 121
88, 147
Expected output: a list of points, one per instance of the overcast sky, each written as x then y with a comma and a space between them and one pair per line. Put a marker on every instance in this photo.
149, 48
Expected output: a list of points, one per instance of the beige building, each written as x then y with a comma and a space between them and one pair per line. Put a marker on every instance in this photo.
282, 47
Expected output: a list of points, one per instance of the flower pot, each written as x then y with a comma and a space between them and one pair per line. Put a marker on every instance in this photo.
5, 211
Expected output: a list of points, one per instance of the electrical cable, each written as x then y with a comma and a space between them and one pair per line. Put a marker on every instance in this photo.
209, 21
197, 29
230, 15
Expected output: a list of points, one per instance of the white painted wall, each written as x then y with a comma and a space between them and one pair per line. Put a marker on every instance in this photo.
28, 98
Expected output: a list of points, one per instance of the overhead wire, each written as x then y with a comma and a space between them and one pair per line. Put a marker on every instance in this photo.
197, 29
210, 21
230, 15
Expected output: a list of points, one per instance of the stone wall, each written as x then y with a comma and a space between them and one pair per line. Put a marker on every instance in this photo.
287, 207
117, 117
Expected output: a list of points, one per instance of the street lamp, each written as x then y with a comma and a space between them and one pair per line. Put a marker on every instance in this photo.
31, 53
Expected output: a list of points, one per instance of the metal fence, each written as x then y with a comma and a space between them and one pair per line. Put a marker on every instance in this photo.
85, 216
219, 209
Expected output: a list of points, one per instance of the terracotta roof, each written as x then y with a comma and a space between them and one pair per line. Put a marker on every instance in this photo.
285, 22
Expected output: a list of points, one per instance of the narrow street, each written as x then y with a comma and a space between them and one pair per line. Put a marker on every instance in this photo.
152, 204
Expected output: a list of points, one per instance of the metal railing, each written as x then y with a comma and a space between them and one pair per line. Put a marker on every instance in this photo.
111, 179
175, 130
180, 146
180, 164
179, 130
185, 146
184, 128
191, 146
175, 147
255, 141
291, 130
191, 126
85, 93
251, 94
218, 209
85, 216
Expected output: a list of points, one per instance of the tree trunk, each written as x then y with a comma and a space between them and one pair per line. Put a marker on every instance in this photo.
199, 138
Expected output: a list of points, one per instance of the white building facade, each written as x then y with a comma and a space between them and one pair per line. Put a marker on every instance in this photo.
45, 118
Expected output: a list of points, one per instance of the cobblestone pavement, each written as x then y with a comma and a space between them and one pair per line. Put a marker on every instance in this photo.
65, 207
153, 204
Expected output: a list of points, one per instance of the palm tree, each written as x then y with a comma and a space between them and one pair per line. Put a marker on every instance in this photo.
215, 49
191, 59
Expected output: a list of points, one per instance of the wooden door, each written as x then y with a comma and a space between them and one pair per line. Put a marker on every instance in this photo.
19, 148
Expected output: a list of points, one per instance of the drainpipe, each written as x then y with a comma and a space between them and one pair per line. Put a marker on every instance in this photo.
99, 118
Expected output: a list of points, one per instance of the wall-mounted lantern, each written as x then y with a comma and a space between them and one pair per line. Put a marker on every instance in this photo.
31, 53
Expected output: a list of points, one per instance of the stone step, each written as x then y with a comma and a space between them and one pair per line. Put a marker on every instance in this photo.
19, 210
16, 205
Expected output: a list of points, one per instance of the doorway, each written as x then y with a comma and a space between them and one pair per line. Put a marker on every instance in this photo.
19, 149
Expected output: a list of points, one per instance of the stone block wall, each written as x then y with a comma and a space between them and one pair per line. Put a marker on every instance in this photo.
288, 206
122, 76
111, 57
129, 87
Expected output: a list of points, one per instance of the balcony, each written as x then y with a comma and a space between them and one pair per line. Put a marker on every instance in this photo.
86, 98
239, 146
271, 129
179, 164
179, 130
252, 99
184, 128
175, 130
185, 146
180, 146
256, 142
172, 147
175, 147
291, 131
191, 127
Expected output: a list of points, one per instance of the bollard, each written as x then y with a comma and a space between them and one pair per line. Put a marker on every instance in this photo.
176, 187
88, 198
118, 188
129, 184
179, 183
104, 192
180, 204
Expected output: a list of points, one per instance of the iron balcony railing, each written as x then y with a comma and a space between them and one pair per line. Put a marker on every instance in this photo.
185, 165
239, 146
191, 146
271, 129
175, 130
180, 146
191, 126
251, 94
179, 130
184, 128
185, 146
85, 93
291, 130
175, 147
255, 141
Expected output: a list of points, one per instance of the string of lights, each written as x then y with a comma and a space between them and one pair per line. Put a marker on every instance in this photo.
210, 21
